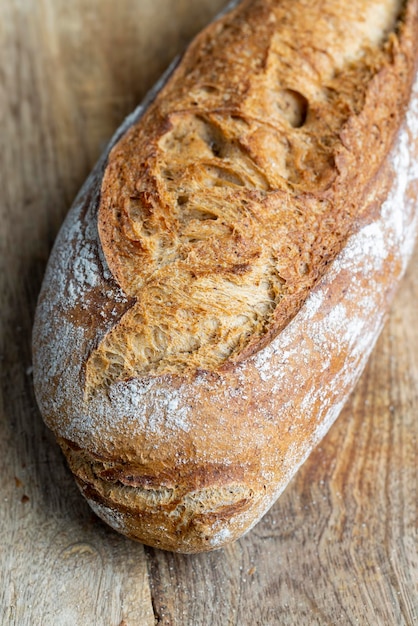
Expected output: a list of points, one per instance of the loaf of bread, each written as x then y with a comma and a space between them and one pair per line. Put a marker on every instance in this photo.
223, 275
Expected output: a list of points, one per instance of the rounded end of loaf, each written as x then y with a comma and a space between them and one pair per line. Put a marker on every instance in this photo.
191, 532
193, 513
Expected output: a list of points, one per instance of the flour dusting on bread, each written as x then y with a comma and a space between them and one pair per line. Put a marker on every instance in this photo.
225, 272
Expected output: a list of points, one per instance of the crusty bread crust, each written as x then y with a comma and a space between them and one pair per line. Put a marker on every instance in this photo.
223, 206
223, 275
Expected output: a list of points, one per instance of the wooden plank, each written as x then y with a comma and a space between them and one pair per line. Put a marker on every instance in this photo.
339, 547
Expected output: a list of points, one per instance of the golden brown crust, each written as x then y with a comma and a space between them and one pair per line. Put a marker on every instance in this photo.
185, 446
224, 204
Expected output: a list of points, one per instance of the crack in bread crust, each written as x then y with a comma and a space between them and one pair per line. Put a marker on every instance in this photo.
224, 204
192, 508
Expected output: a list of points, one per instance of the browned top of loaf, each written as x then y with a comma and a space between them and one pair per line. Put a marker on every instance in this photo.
223, 205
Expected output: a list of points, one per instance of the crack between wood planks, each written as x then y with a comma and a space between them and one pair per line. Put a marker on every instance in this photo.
153, 576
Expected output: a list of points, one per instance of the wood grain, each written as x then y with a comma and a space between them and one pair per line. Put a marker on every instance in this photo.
339, 547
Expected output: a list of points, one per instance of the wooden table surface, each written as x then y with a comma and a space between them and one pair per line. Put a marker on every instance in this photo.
339, 547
